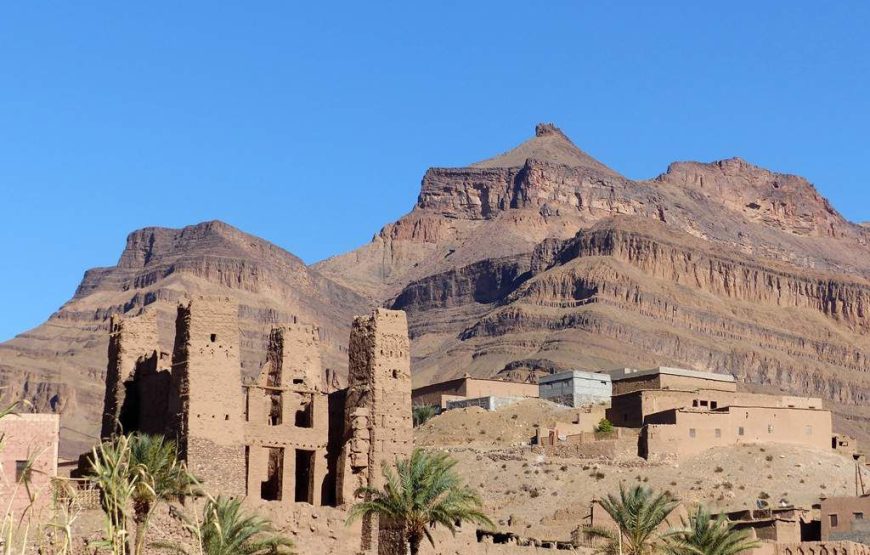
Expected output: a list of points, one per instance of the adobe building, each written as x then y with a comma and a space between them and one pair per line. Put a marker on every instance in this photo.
137, 379
206, 414
467, 388
779, 525
28, 454
688, 431
280, 437
683, 412
286, 426
576, 388
626, 380
660, 389
846, 519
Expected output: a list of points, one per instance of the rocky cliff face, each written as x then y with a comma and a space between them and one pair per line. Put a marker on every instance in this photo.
536, 260
633, 292
539, 259
504, 208
61, 365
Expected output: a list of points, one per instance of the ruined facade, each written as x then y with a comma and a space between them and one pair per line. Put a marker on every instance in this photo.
137, 384
279, 437
377, 417
287, 422
206, 404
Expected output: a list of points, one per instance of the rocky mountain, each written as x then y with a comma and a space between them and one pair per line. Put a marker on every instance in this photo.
538, 259
543, 258
60, 365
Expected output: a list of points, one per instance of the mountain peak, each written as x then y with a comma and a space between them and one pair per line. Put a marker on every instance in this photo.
163, 245
549, 144
547, 129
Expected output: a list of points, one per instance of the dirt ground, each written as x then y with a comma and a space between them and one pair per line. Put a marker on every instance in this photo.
513, 425
547, 497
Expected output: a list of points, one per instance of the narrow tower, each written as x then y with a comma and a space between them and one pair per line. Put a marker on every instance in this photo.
207, 404
378, 426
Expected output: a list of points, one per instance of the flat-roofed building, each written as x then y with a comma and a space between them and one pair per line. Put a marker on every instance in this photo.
626, 380
846, 518
631, 409
466, 387
576, 388
689, 431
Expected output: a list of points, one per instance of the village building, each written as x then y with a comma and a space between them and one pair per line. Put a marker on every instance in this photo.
28, 462
626, 380
576, 388
683, 412
468, 391
779, 531
846, 518
688, 431
782, 525
279, 437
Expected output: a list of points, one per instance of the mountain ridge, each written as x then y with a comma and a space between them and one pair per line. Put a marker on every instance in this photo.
537, 259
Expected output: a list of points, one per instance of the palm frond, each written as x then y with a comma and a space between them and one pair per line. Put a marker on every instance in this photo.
419, 493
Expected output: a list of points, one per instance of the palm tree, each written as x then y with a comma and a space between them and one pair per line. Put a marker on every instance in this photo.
424, 491
638, 514
226, 530
159, 477
704, 535
422, 413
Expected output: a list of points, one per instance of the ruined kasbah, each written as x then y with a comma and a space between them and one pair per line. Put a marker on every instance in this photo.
546, 456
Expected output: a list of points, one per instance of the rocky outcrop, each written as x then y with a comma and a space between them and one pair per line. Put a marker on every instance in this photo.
782, 201
506, 206
721, 272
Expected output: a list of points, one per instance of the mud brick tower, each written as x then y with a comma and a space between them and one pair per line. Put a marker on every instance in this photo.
207, 403
378, 426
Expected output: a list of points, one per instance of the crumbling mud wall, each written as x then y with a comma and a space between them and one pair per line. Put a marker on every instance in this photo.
377, 423
132, 352
287, 422
206, 404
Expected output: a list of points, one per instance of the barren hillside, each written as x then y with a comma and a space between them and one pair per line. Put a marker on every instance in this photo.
538, 494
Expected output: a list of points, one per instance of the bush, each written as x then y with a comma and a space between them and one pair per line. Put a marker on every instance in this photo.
422, 413
604, 426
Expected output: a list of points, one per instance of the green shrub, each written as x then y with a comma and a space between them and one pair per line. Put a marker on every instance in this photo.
422, 413
604, 426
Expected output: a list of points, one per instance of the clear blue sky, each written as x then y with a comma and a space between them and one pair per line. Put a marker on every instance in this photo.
311, 123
